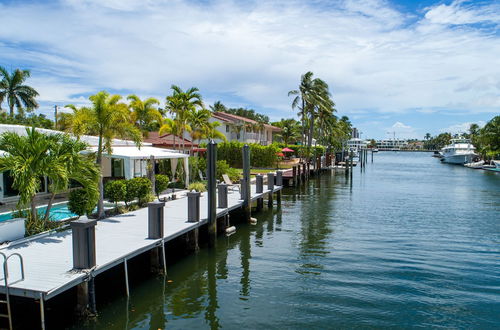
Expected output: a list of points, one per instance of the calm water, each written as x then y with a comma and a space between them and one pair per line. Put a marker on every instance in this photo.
409, 242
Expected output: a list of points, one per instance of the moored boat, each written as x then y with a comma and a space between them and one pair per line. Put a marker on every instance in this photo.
475, 165
459, 151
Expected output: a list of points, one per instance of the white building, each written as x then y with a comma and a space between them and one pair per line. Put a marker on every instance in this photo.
126, 161
237, 128
356, 144
392, 144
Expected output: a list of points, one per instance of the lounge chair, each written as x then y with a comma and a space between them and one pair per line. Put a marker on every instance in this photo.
230, 183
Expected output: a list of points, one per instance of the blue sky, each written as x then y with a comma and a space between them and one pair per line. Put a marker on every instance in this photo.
409, 67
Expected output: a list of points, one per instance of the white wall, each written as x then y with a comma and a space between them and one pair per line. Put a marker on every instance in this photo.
12, 229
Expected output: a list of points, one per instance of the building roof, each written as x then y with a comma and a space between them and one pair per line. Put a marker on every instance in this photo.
143, 153
229, 117
168, 140
89, 139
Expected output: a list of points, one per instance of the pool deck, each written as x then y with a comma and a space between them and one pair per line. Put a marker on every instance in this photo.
48, 259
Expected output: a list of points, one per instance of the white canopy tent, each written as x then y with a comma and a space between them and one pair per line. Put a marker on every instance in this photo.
135, 159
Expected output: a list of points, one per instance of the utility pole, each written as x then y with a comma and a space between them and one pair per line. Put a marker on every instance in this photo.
55, 116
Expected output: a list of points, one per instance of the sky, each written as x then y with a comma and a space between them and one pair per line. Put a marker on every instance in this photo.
409, 67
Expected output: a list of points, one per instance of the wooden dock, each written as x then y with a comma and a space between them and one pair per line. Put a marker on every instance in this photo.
48, 259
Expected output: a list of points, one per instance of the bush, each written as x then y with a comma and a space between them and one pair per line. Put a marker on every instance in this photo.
221, 168
34, 227
234, 174
81, 202
260, 156
161, 184
197, 186
139, 188
116, 191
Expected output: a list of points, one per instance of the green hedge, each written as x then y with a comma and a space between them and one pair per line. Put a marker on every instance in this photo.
260, 156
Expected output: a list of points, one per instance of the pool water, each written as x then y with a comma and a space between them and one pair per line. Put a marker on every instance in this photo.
58, 212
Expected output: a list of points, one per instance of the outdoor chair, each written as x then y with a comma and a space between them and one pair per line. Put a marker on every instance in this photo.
231, 185
202, 178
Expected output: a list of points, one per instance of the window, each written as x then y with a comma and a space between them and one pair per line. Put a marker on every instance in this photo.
137, 168
117, 170
227, 128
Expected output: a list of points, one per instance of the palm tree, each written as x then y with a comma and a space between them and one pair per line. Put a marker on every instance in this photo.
172, 126
198, 121
108, 118
211, 131
28, 160
17, 94
79, 167
218, 107
314, 97
181, 104
144, 113
427, 136
290, 129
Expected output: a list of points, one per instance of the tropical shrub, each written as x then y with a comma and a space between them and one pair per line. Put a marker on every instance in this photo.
139, 188
260, 156
81, 202
161, 184
197, 186
221, 168
233, 174
116, 191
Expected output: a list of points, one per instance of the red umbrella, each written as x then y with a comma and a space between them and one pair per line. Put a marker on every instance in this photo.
280, 154
287, 150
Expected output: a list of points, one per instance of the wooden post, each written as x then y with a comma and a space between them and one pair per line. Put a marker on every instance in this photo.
279, 182
304, 171
211, 191
246, 178
294, 175
259, 180
82, 298
270, 187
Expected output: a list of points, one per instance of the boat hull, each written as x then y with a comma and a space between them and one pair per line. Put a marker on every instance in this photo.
458, 159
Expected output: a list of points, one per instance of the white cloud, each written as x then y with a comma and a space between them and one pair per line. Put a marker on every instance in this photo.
462, 127
252, 53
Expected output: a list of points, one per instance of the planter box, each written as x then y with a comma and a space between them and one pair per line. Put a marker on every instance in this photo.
12, 229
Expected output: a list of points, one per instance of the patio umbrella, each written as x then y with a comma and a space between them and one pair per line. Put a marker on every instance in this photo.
280, 154
287, 150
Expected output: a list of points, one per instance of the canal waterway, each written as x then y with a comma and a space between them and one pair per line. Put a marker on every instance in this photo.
407, 242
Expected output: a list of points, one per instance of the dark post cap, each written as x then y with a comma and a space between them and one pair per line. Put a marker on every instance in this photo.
156, 204
83, 223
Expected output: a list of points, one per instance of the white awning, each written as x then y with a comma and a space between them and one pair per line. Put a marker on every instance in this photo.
142, 153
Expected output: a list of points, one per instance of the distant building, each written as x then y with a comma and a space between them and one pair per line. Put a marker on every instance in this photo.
392, 144
355, 133
237, 128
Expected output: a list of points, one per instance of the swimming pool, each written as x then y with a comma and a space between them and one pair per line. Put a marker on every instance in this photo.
58, 212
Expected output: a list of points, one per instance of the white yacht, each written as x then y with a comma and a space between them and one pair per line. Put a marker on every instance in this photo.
459, 151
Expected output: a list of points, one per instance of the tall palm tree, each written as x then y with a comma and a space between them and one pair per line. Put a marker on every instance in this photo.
181, 104
172, 126
290, 130
218, 107
314, 97
107, 118
28, 159
211, 132
144, 113
17, 94
79, 167
427, 136
198, 121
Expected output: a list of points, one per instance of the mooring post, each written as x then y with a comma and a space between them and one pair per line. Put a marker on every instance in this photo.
294, 175
211, 193
193, 216
259, 188
304, 171
246, 177
372, 155
299, 174
308, 171
279, 182
84, 257
270, 187
222, 196
155, 231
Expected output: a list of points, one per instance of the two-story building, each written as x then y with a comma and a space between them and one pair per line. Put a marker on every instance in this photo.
237, 128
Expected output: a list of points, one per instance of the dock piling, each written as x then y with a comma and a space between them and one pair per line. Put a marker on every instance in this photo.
211, 193
246, 180
294, 175
259, 188
279, 182
155, 231
270, 187
222, 195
